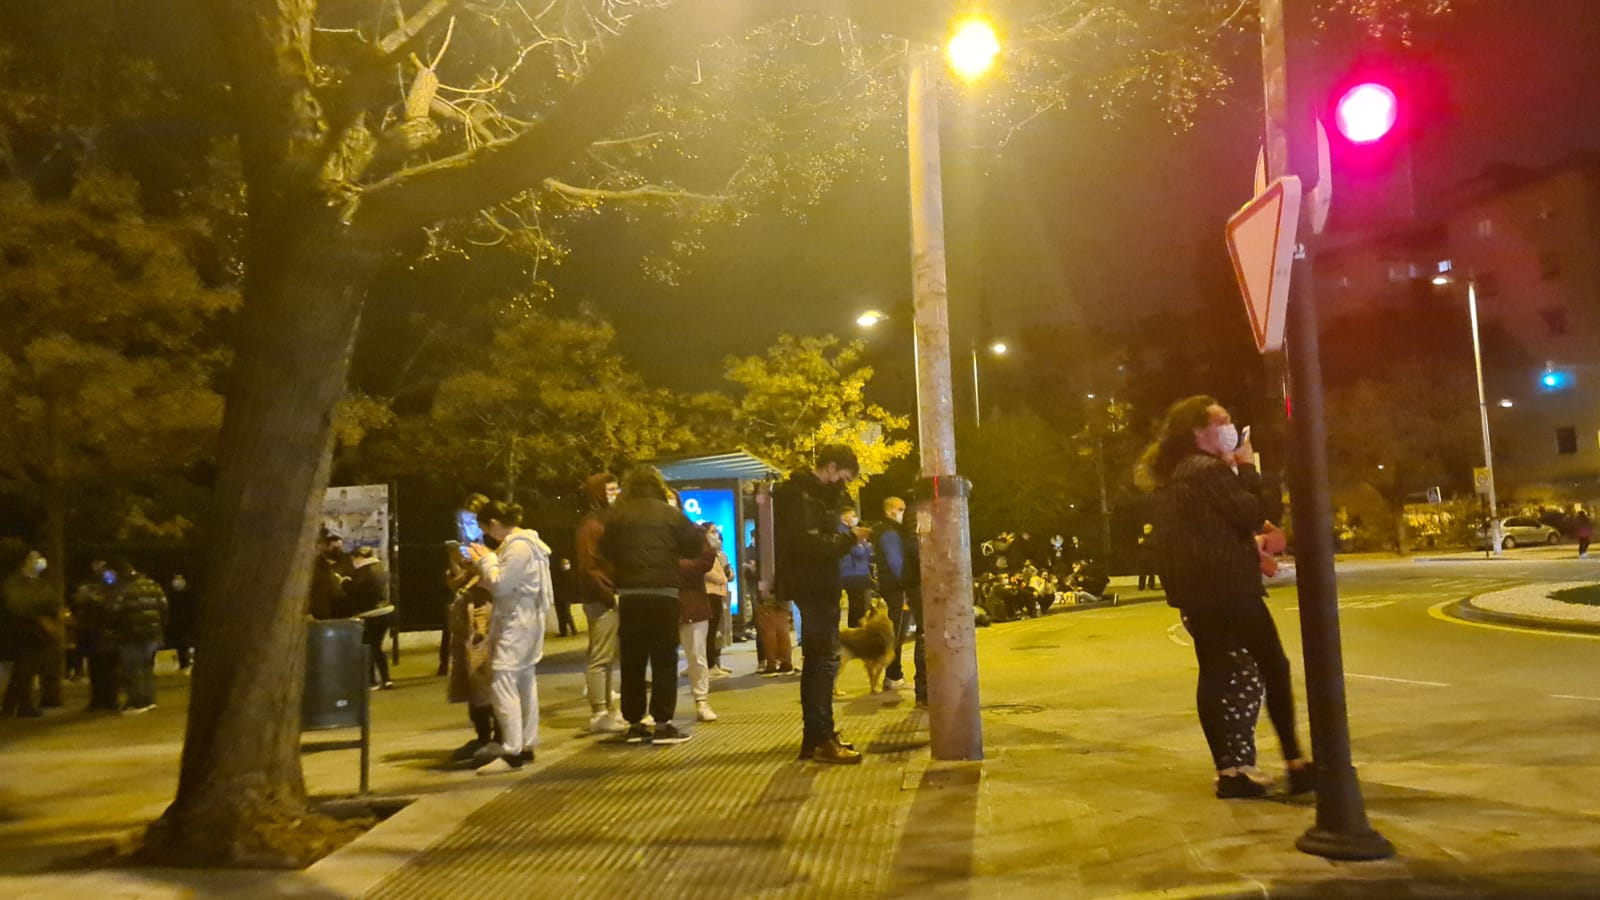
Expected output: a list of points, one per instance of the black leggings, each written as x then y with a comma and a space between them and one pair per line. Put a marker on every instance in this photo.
1239, 653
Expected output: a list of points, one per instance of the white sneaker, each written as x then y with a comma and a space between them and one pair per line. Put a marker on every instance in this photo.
703, 712
716, 672
605, 723
648, 721
498, 767
895, 684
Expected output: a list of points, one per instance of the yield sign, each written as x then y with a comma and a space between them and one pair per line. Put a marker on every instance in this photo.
1261, 240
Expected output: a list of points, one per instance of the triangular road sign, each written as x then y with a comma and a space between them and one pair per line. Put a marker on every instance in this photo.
1261, 240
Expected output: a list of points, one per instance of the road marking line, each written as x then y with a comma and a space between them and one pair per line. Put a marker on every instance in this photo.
1397, 680
1437, 611
1575, 697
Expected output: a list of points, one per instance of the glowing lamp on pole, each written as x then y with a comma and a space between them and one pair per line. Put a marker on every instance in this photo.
972, 48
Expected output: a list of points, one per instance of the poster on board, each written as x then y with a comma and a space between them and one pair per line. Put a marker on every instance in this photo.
360, 514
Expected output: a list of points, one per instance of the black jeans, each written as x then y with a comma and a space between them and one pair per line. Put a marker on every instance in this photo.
819, 641
719, 611
647, 631
855, 588
564, 623
895, 597
373, 631
1239, 653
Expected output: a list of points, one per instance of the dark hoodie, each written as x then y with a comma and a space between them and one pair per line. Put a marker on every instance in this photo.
808, 540
591, 570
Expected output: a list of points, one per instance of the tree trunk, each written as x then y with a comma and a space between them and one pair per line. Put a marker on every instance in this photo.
55, 497
241, 794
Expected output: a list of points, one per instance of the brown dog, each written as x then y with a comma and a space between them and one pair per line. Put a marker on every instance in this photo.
872, 643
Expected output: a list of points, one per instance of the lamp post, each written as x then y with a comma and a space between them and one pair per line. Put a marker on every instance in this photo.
998, 348
1495, 536
955, 728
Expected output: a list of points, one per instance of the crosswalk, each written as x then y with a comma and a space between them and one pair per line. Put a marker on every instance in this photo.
1353, 599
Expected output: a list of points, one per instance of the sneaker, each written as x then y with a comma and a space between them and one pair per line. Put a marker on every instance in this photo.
703, 712
838, 738
719, 667
468, 750
501, 765
1302, 780
127, 711
526, 755
895, 684
487, 752
835, 753
648, 721
787, 669
637, 734
668, 734
606, 723
769, 672
1239, 786
717, 672
387, 686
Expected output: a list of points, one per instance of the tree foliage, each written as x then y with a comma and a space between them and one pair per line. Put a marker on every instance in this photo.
805, 392
110, 346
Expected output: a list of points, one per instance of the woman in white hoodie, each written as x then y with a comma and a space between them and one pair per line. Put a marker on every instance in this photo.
517, 574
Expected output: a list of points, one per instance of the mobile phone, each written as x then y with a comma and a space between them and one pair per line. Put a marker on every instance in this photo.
1244, 435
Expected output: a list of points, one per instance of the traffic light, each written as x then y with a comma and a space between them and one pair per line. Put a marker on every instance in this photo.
1367, 112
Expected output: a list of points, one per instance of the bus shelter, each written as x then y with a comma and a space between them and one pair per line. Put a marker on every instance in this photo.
732, 490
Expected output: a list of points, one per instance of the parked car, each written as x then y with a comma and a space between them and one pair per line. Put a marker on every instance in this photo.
1519, 531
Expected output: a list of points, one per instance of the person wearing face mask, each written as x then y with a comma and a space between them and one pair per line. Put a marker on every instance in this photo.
181, 609
855, 569
716, 582
900, 581
562, 572
1208, 509
33, 610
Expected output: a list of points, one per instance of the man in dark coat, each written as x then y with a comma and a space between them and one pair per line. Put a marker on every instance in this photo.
137, 618
809, 546
895, 549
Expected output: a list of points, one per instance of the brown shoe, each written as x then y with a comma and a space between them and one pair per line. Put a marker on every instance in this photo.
807, 752
832, 752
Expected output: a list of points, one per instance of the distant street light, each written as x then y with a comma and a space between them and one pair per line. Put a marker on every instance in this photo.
998, 348
870, 318
1483, 413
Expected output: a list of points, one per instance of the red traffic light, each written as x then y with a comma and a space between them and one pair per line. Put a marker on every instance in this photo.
1366, 113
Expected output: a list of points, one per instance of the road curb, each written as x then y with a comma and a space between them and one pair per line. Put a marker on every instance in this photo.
1465, 610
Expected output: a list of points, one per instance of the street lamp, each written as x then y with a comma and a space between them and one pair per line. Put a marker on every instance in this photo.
955, 728
998, 348
1483, 413
870, 318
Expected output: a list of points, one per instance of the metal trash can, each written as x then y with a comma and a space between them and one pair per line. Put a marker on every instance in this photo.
336, 675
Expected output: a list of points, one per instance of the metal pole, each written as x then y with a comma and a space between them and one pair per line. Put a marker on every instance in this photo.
1483, 418
954, 725
1341, 830
977, 407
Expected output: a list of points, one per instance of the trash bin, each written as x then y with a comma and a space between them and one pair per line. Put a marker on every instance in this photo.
336, 675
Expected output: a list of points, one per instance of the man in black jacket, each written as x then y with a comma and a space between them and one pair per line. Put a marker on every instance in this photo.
644, 540
809, 546
895, 551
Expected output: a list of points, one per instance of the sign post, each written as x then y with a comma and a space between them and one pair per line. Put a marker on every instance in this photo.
1261, 240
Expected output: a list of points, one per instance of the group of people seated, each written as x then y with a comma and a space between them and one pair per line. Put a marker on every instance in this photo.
1030, 592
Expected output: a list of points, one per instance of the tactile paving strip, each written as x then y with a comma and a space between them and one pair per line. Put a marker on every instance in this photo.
730, 813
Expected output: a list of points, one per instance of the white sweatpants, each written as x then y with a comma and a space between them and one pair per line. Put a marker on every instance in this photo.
693, 639
516, 707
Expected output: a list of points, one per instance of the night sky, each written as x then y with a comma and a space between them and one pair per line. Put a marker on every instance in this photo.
1086, 221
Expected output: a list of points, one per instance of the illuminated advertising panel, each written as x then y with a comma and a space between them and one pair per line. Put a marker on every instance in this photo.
719, 506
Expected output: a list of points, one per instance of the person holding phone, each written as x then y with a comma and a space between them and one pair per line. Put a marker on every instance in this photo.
1208, 508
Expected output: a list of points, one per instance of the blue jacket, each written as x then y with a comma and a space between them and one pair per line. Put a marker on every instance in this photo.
858, 562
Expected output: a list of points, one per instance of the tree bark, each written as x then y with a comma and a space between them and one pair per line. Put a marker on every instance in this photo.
241, 794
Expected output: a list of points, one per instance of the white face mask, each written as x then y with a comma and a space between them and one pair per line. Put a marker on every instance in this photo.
39, 565
1228, 437
179, 583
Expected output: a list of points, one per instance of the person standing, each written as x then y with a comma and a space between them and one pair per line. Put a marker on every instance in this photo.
137, 618
855, 569
1585, 533
809, 547
716, 586
368, 600
900, 581
599, 597
181, 610
1145, 558
645, 538
330, 573
517, 574
1208, 510
471, 680
562, 571
33, 611
91, 611
694, 622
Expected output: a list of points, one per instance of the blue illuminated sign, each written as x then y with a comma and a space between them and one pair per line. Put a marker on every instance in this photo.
719, 506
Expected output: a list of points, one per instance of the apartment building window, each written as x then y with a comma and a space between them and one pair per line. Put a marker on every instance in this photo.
1549, 265
1485, 229
1567, 440
1555, 320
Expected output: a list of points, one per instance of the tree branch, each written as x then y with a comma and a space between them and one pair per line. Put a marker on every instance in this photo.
643, 192
399, 41
626, 73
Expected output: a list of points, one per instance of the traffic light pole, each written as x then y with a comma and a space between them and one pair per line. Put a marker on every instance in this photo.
1341, 830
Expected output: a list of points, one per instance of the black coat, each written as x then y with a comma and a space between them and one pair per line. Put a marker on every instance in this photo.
807, 541
644, 540
1206, 520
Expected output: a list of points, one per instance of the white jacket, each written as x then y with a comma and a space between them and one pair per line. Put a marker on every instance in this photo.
518, 577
